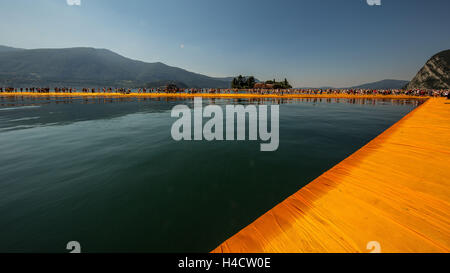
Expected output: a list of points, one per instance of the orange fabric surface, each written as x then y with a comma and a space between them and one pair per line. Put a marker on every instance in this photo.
395, 191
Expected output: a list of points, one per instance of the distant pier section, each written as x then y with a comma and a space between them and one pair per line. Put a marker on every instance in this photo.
217, 95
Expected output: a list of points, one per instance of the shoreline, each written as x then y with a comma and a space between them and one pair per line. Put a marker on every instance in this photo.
208, 95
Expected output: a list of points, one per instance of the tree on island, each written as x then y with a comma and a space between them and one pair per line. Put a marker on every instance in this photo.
280, 85
243, 82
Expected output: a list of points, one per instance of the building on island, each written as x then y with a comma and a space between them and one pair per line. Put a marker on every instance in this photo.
261, 85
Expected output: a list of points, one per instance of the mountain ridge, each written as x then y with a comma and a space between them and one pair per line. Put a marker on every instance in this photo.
8, 48
80, 66
382, 84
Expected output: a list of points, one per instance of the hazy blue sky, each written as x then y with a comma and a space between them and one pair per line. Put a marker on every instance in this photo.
311, 42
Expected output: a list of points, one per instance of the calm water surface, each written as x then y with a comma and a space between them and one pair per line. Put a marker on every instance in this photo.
106, 172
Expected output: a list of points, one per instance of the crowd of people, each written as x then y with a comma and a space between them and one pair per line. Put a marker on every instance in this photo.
293, 91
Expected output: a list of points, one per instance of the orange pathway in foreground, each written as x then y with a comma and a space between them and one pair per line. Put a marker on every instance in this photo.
395, 190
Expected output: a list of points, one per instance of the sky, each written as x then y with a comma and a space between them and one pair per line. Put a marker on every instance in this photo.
312, 43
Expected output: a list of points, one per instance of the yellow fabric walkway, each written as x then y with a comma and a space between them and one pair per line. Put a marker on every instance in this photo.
395, 190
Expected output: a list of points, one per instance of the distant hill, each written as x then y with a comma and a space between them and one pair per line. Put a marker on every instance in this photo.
8, 49
91, 67
383, 84
435, 74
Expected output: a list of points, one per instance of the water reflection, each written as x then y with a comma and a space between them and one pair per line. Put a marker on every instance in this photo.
8, 101
22, 112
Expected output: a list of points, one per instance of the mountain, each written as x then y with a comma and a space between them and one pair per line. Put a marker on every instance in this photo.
384, 84
435, 74
90, 67
8, 49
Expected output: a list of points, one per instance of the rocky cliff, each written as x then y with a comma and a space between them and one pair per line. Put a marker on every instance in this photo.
435, 74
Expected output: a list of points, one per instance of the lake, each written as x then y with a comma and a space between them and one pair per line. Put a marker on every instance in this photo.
106, 172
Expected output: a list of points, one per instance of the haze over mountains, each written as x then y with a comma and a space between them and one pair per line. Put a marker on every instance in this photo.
384, 84
8, 49
435, 74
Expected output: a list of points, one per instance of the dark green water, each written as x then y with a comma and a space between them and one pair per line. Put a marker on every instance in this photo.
106, 172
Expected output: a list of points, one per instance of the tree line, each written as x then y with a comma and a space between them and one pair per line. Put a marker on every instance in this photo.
280, 85
241, 82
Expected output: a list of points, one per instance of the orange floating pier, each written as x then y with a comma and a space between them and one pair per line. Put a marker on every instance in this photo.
394, 191
210, 95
